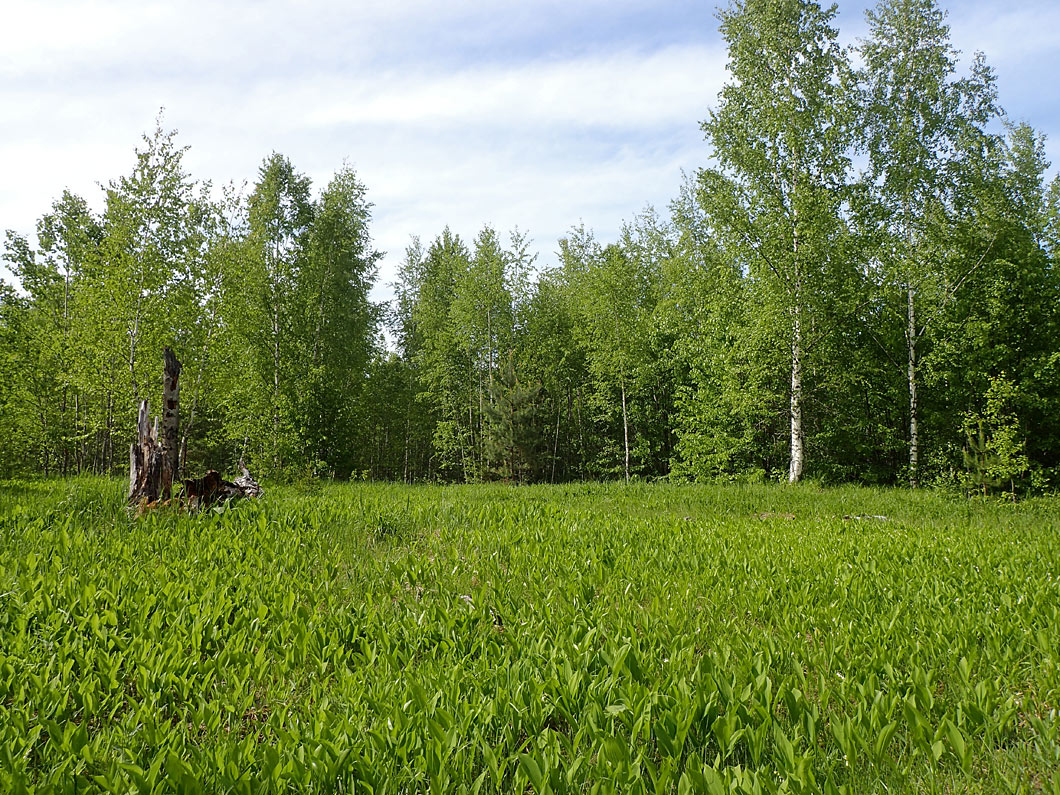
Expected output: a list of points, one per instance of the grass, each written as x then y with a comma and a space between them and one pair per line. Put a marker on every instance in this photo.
582, 638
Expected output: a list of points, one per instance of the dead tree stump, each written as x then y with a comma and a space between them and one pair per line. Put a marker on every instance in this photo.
170, 441
145, 459
153, 460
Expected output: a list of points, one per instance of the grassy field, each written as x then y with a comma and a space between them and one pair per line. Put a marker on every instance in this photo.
589, 638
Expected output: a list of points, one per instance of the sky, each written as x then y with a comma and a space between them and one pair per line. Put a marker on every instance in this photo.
538, 115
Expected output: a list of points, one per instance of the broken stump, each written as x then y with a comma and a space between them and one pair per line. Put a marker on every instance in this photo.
153, 461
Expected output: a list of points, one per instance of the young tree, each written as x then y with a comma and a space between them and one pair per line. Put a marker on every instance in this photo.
417, 412
482, 319
552, 355
106, 294
612, 299
1002, 324
442, 360
728, 373
510, 439
51, 332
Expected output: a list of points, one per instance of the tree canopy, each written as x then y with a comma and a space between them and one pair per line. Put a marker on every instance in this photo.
859, 284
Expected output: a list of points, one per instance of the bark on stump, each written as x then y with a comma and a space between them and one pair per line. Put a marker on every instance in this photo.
153, 459
170, 440
145, 459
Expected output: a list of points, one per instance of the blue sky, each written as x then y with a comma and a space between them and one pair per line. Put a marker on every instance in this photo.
539, 115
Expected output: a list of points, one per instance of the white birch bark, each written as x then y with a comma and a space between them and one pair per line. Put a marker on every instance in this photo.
625, 427
910, 338
797, 453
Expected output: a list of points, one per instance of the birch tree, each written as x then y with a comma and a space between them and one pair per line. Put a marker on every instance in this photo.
918, 118
442, 361
51, 346
336, 322
280, 212
728, 373
780, 137
611, 296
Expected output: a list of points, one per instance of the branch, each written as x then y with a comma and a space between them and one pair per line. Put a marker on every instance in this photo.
952, 292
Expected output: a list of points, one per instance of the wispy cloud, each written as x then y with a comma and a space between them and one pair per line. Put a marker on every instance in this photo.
630, 89
539, 144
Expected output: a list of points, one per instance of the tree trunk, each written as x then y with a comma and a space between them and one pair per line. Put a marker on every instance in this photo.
910, 339
797, 451
795, 469
107, 457
145, 459
276, 388
408, 423
153, 456
555, 442
625, 428
170, 441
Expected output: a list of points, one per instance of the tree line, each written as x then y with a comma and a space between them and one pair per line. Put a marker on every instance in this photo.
860, 284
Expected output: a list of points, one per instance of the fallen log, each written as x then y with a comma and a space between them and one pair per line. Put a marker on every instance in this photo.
249, 486
211, 488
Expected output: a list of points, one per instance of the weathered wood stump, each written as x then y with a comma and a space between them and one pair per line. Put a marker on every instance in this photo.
154, 460
145, 459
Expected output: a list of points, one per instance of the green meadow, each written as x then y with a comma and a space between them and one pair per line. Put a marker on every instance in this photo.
582, 638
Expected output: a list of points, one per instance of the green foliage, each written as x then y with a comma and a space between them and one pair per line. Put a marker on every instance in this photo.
781, 135
510, 438
728, 369
994, 453
265, 302
457, 324
611, 293
487, 639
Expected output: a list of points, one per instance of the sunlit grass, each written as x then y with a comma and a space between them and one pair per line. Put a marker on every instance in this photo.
592, 637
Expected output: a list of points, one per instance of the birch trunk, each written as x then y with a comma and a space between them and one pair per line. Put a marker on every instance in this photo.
625, 428
276, 387
910, 339
797, 451
555, 442
795, 468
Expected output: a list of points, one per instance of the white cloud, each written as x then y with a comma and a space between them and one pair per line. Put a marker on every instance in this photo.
537, 115
539, 145
626, 89
1007, 33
